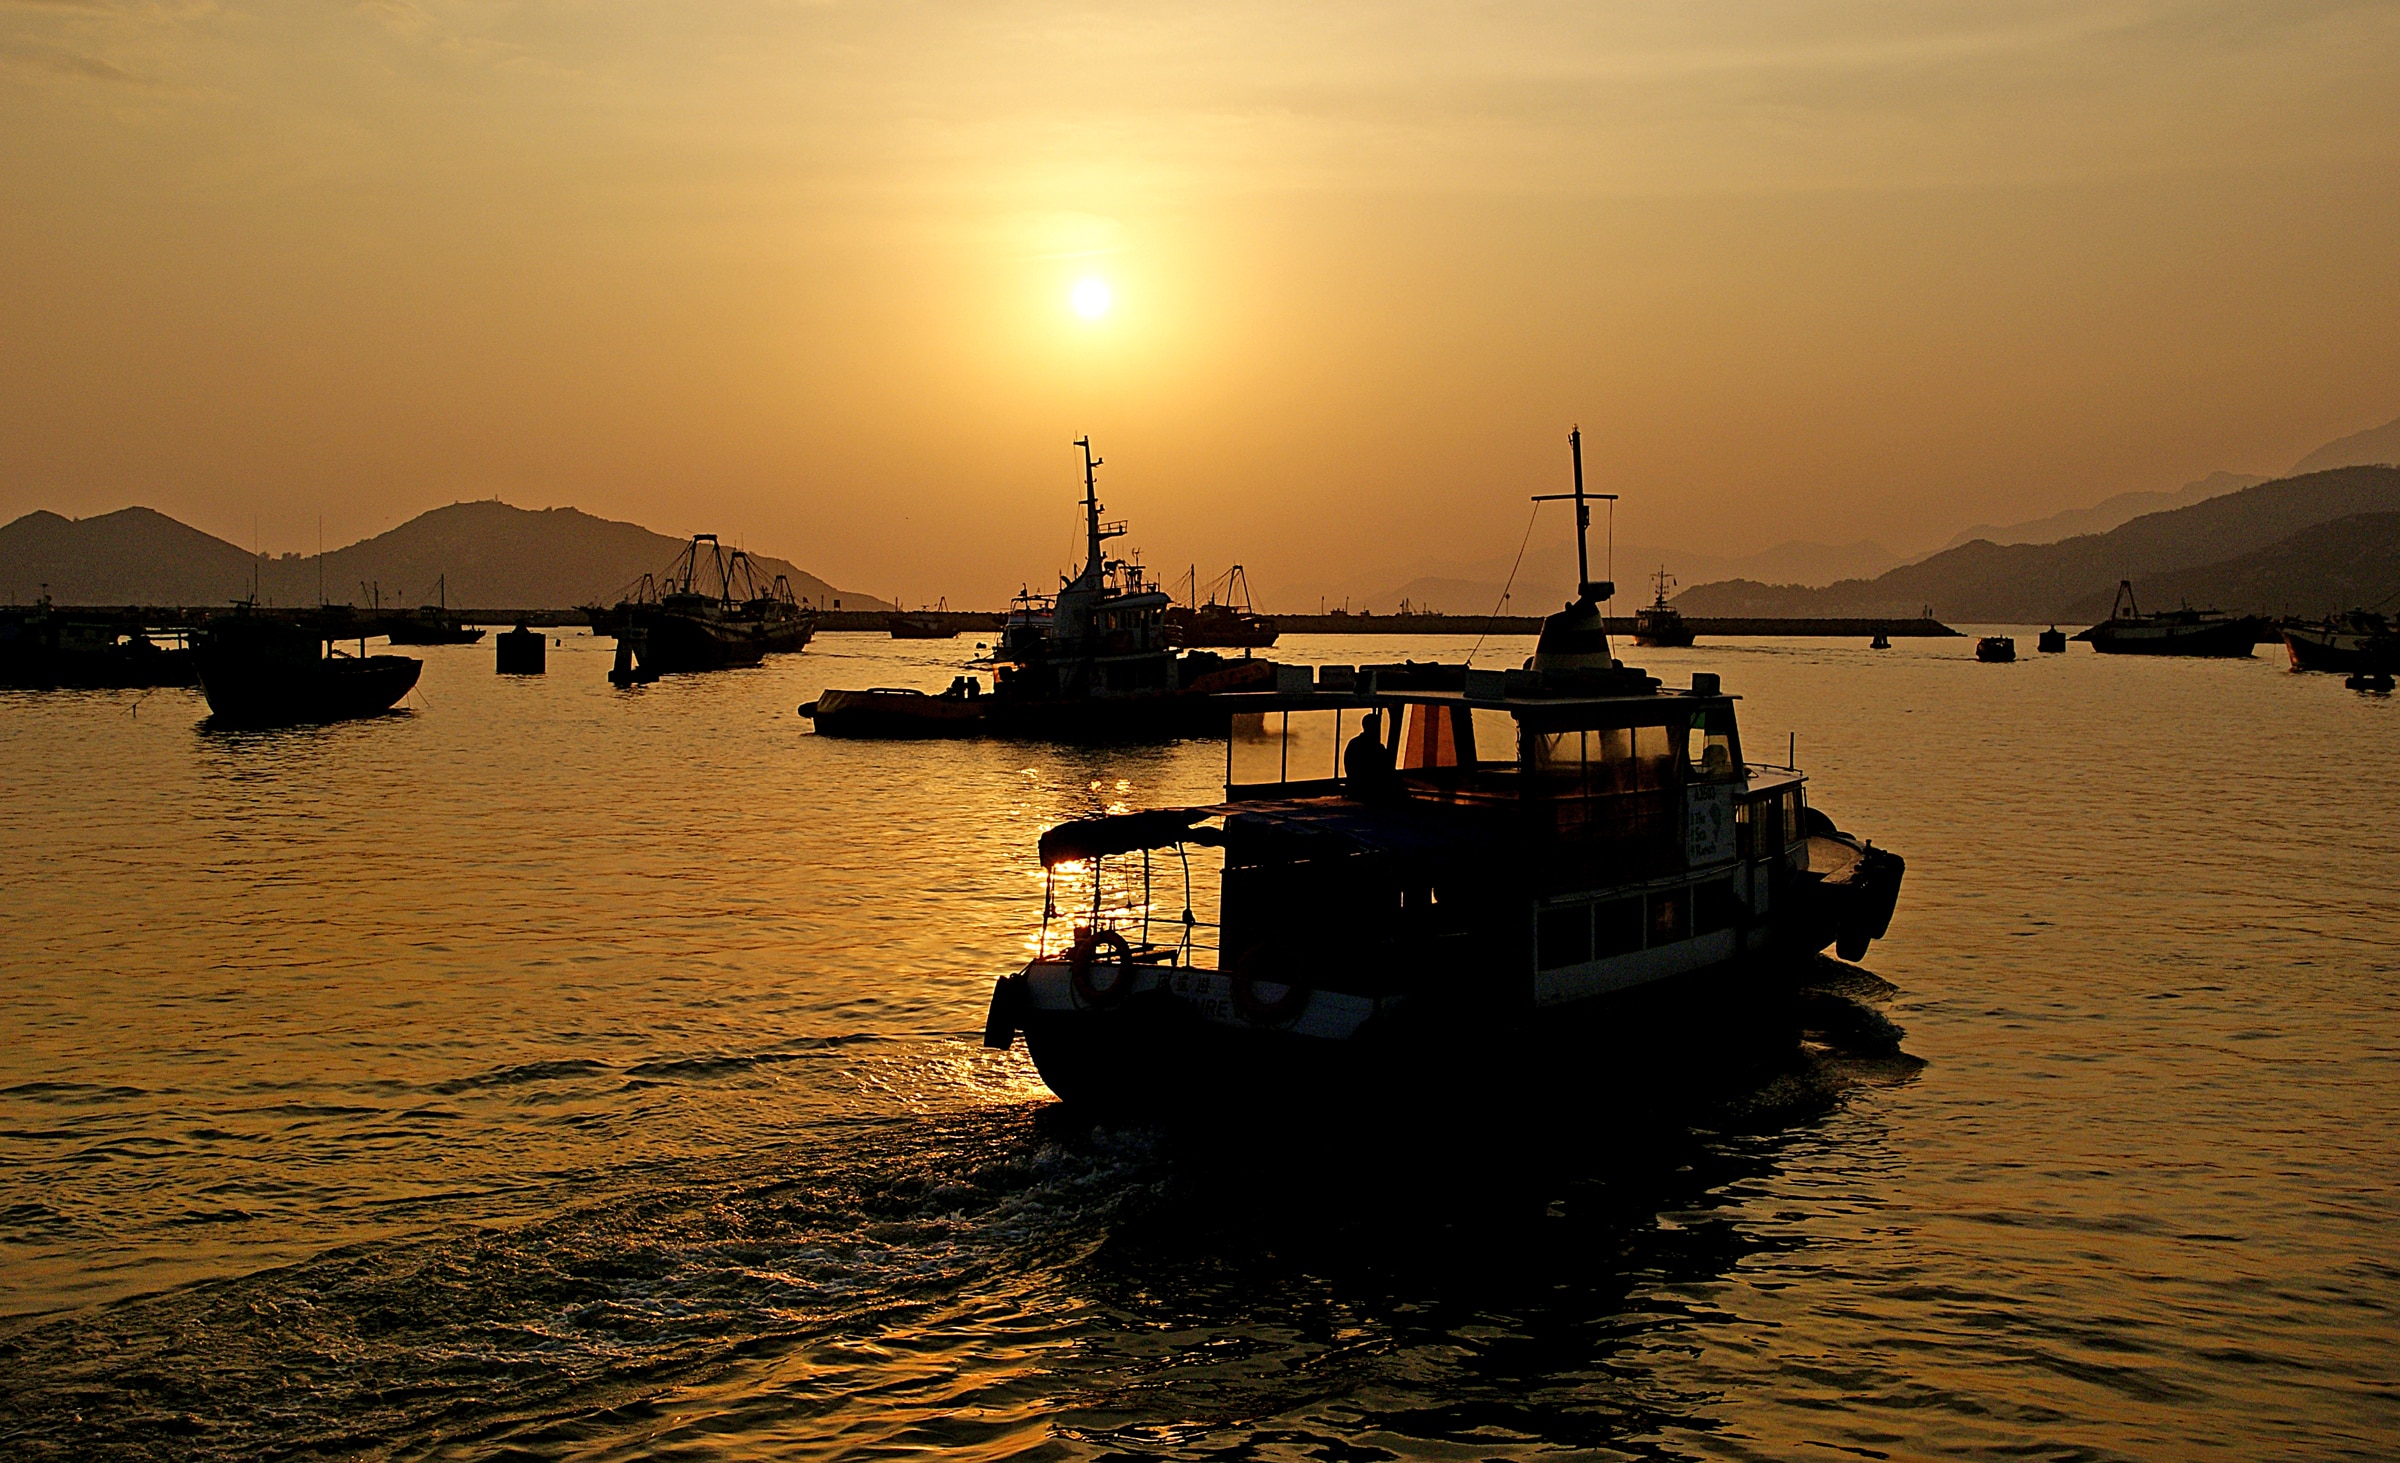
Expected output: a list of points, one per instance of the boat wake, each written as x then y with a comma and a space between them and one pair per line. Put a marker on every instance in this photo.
993, 1280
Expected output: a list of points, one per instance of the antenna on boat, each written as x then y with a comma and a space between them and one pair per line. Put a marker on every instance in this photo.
1091, 503
1586, 587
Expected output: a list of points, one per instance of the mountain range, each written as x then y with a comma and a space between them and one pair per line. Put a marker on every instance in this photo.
2264, 549
2103, 515
487, 555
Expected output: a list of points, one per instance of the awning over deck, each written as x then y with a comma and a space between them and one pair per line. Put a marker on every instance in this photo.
1084, 838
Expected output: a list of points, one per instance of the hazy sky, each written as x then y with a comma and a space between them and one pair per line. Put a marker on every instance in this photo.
800, 273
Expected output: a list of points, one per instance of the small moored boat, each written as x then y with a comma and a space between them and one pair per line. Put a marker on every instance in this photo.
1996, 649
258, 670
2359, 641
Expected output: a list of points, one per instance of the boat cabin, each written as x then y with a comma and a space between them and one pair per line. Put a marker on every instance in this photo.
1520, 839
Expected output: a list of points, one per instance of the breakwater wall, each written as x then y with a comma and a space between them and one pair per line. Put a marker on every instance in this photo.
979, 622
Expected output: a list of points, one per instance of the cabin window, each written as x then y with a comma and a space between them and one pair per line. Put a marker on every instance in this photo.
1617, 927
1564, 935
1284, 746
1312, 745
1745, 829
1792, 825
1254, 748
1670, 916
1495, 733
1710, 746
1713, 907
1653, 758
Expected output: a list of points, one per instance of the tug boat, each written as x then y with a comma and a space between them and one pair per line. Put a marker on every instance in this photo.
1494, 869
1091, 663
1660, 623
2127, 631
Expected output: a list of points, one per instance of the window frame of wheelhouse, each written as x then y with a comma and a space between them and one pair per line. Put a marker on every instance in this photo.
1610, 826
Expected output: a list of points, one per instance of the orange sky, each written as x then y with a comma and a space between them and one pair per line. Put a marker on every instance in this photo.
798, 272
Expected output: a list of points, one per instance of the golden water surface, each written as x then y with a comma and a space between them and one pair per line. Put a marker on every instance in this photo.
552, 1071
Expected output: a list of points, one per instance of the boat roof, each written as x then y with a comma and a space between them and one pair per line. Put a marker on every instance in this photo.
1538, 701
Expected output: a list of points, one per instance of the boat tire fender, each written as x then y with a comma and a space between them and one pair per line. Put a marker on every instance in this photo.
1259, 1011
1086, 955
1000, 1023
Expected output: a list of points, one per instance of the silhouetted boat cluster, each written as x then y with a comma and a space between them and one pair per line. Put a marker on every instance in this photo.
43, 646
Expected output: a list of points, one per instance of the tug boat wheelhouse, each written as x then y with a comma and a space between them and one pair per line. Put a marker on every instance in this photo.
1498, 859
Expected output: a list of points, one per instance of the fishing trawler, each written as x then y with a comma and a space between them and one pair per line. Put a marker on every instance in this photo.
1493, 868
1091, 662
2185, 631
259, 670
1231, 624
1660, 623
709, 613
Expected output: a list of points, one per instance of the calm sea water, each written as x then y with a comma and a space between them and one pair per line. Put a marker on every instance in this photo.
552, 1071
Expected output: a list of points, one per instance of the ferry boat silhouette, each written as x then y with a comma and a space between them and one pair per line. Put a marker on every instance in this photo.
1431, 867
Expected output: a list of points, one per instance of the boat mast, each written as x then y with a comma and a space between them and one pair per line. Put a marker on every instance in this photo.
1586, 587
1091, 508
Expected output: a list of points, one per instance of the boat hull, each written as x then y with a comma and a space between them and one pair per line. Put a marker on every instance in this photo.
2341, 652
1156, 1035
895, 715
2228, 639
403, 632
682, 643
243, 692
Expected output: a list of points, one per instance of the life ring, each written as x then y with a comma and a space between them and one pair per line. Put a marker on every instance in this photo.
1083, 957
1245, 980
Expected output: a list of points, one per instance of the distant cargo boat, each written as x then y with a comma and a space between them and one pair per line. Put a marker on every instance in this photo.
2053, 641
431, 624
2361, 641
1229, 624
2127, 631
1996, 649
1659, 623
259, 671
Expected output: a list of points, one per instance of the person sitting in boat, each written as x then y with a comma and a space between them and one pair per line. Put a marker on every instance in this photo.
1367, 762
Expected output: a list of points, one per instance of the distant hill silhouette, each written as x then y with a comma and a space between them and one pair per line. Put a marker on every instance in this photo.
2107, 513
2022, 583
494, 556
2344, 564
2374, 445
131, 556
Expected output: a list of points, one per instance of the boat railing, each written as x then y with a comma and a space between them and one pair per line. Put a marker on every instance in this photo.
1149, 904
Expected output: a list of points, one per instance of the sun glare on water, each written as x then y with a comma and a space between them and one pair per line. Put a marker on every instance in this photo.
1091, 298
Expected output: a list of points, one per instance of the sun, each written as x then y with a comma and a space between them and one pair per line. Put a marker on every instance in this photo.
1091, 298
